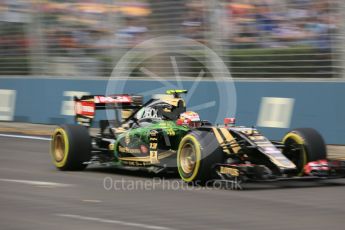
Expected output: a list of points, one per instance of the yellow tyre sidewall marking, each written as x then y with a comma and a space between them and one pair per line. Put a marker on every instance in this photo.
197, 153
299, 140
65, 137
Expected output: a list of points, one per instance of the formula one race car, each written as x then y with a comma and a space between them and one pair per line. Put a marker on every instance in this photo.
161, 135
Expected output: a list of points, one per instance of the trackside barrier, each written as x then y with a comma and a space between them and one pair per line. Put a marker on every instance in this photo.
275, 107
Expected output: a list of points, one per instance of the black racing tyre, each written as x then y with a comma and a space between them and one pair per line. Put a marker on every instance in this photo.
71, 147
196, 157
304, 145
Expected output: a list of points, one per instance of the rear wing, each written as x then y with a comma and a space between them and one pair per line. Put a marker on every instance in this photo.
86, 106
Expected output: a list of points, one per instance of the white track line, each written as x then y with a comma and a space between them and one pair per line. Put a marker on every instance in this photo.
26, 137
119, 222
36, 183
92, 201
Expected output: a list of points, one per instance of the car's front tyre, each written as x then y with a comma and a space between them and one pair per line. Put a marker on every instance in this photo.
304, 145
70, 147
196, 157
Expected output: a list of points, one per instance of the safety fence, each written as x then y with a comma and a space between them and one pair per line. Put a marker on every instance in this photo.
255, 38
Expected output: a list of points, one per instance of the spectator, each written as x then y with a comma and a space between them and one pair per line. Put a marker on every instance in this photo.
246, 37
131, 34
194, 25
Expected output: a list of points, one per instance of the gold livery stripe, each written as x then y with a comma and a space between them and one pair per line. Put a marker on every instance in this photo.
225, 144
135, 158
147, 158
220, 139
229, 138
165, 155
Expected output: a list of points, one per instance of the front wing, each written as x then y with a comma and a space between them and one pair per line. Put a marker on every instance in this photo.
316, 170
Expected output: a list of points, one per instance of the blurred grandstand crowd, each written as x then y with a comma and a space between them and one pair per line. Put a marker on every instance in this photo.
66, 37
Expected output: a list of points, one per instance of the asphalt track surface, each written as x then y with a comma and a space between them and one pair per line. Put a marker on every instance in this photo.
34, 195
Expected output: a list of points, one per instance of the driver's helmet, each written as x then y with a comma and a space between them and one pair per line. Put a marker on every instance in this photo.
190, 119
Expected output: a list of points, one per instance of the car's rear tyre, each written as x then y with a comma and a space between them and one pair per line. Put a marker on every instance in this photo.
196, 157
71, 147
304, 145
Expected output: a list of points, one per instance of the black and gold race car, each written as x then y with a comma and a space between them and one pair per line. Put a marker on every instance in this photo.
161, 135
